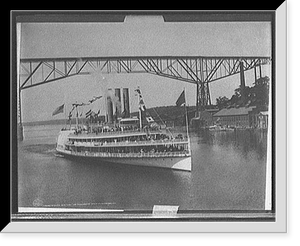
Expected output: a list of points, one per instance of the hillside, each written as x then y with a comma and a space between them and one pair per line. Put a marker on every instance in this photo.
163, 113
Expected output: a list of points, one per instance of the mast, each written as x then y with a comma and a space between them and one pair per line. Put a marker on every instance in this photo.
140, 111
70, 119
140, 116
65, 112
106, 110
187, 125
186, 116
76, 117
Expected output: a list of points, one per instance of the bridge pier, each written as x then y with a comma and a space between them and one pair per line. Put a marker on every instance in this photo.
203, 96
203, 93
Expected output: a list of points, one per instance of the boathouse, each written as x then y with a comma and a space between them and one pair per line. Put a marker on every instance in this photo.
237, 117
205, 118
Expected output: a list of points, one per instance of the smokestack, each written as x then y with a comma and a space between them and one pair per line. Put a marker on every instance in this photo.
126, 102
242, 78
109, 107
118, 102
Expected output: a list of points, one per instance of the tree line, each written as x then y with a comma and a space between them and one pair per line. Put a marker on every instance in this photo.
255, 95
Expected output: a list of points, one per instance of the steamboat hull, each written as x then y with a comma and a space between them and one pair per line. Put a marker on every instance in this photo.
182, 163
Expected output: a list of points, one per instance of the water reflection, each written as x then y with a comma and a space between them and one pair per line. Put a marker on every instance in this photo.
229, 169
243, 140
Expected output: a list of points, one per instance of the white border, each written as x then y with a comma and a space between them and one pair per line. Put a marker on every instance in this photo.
281, 116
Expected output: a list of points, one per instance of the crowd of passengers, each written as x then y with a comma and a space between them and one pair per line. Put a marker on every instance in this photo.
117, 128
139, 138
146, 149
156, 149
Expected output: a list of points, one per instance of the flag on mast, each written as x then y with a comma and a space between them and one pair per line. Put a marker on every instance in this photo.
181, 99
58, 110
94, 99
149, 119
87, 114
72, 108
142, 105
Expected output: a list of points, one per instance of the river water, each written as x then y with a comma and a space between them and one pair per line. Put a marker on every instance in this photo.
228, 174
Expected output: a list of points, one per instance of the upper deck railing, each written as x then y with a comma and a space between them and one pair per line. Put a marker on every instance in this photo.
134, 155
85, 135
126, 143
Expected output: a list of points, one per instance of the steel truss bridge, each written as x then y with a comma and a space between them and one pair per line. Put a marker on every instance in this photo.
198, 70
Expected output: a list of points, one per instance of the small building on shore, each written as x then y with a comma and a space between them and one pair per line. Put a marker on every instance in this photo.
237, 117
205, 118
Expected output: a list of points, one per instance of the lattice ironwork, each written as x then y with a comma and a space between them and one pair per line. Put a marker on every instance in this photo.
192, 69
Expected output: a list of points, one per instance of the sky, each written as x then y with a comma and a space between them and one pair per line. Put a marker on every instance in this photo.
137, 36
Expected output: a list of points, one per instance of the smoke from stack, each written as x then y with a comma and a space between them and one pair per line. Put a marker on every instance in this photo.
126, 102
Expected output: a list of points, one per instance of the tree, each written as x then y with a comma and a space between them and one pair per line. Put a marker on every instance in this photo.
263, 81
222, 102
257, 95
260, 91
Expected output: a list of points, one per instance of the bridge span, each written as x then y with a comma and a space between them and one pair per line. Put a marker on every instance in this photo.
198, 70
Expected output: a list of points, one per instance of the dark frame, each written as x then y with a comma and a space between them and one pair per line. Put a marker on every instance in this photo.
118, 16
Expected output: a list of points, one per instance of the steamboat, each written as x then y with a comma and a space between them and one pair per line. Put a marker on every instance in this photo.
127, 140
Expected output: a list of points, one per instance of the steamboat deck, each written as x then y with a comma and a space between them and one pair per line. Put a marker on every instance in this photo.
126, 140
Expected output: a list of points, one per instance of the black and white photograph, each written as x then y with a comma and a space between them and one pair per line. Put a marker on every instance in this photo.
145, 117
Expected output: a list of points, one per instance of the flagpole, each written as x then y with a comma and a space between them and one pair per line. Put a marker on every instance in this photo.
65, 109
76, 118
187, 126
80, 118
80, 121
140, 111
106, 108
70, 118
186, 116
